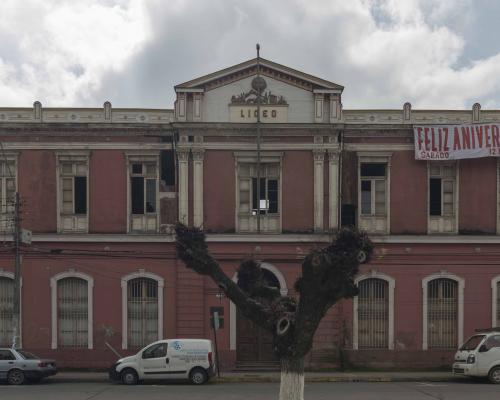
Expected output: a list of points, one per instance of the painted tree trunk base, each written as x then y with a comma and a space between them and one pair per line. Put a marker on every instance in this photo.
292, 379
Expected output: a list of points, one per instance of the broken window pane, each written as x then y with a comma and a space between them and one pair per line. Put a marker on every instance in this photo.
80, 194
366, 197
272, 187
372, 169
435, 196
150, 195
137, 168
137, 186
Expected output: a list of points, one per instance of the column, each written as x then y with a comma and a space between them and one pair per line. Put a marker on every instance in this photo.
183, 157
333, 190
198, 155
319, 159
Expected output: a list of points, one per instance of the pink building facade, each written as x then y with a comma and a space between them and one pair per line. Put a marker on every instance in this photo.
102, 188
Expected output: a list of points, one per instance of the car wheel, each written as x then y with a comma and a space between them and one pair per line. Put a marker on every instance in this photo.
15, 377
129, 377
198, 376
494, 375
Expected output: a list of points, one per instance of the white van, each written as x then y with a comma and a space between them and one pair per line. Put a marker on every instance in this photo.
480, 356
191, 359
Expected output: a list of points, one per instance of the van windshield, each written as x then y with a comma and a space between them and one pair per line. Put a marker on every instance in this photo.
473, 342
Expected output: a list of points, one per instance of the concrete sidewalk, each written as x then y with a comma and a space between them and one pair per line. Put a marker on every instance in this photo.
234, 377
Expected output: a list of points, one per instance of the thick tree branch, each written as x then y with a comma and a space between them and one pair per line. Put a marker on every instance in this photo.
192, 250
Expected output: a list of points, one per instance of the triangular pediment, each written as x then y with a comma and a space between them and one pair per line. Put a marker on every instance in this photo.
268, 69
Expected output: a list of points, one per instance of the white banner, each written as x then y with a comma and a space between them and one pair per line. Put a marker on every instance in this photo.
453, 142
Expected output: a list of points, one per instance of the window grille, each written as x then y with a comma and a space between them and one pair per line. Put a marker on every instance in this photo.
7, 194
6, 310
442, 313
498, 305
72, 312
373, 314
142, 311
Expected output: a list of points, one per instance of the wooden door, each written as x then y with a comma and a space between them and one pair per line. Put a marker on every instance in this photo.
253, 343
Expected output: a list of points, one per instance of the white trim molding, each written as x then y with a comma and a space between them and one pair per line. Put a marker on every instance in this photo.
461, 286
494, 297
143, 220
391, 286
124, 283
90, 314
232, 308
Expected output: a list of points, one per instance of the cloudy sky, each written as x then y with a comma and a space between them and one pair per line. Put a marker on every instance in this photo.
70, 53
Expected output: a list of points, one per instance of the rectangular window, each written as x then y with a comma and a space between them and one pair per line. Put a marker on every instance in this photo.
442, 182
143, 194
73, 190
373, 189
143, 183
259, 197
268, 196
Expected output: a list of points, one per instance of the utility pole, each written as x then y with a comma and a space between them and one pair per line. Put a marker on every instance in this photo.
16, 320
258, 88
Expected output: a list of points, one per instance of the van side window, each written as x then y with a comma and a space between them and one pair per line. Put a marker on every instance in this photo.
155, 351
493, 341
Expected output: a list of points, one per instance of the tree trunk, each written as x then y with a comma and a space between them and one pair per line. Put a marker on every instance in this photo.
292, 379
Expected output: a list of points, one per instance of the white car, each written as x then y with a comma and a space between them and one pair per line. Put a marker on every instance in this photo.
480, 356
191, 359
17, 366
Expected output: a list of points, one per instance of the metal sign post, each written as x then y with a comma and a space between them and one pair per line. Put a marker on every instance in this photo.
216, 326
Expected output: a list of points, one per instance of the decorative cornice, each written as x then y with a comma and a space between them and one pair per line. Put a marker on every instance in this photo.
268, 238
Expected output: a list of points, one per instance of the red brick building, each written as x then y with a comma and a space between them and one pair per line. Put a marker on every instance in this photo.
101, 189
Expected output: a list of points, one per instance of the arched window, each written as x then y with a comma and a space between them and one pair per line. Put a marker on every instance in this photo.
142, 311
495, 298
373, 319
72, 310
373, 314
442, 313
6, 310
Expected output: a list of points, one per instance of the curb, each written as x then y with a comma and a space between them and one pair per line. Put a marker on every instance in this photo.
351, 379
250, 378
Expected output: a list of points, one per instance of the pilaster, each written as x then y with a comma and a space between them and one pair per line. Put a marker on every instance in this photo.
319, 160
183, 158
333, 189
198, 156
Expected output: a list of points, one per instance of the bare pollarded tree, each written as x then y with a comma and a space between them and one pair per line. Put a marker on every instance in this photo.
327, 276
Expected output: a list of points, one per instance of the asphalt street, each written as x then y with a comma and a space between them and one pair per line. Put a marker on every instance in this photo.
466, 390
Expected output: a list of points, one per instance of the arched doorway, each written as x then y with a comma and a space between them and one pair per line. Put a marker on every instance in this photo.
255, 344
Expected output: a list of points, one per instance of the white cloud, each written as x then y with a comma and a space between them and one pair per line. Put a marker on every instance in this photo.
132, 52
62, 48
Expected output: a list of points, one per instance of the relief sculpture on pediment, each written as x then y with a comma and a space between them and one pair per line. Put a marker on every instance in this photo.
250, 97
